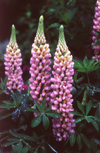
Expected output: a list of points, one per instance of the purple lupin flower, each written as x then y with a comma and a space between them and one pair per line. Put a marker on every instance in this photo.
13, 62
61, 97
96, 28
40, 66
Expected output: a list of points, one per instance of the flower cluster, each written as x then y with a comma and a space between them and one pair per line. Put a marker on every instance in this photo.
13, 62
96, 28
40, 66
61, 97
55, 90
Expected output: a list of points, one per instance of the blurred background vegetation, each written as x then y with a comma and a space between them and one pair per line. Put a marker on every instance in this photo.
75, 15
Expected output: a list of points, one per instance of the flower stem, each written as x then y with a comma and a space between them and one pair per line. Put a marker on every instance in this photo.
88, 78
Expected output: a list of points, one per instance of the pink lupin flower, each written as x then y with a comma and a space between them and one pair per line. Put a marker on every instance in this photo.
40, 66
13, 62
96, 28
61, 97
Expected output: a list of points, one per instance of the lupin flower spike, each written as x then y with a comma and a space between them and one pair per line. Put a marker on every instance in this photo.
96, 28
40, 66
13, 62
61, 97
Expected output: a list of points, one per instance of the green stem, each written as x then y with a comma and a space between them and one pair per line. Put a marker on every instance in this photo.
88, 78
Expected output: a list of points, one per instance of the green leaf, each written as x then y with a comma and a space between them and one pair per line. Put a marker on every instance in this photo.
80, 106
88, 107
5, 116
19, 147
71, 14
27, 144
5, 80
36, 121
45, 122
9, 143
98, 151
97, 141
85, 62
48, 110
38, 105
12, 139
53, 114
88, 119
33, 110
8, 103
90, 65
54, 25
95, 125
95, 118
72, 139
75, 113
43, 104
85, 140
79, 120
97, 42
25, 150
98, 111
79, 142
79, 66
80, 79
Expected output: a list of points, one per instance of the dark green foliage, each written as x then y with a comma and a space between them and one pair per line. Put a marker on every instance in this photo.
43, 115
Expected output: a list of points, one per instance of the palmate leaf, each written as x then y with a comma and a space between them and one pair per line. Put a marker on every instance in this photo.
79, 142
98, 112
33, 110
79, 120
43, 104
53, 114
4, 114
86, 66
72, 139
95, 125
71, 14
88, 119
18, 148
38, 105
25, 150
80, 106
3, 83
90, 64
85, 62
94, 66
88, 107
85, 140
79, 66
9, 143
21, 136
54, 25
36, 121
8, 103
75, 113
45, 122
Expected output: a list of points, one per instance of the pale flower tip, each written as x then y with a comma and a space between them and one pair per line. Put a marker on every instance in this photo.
41, 18
13, 35
13, 27
61, 27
